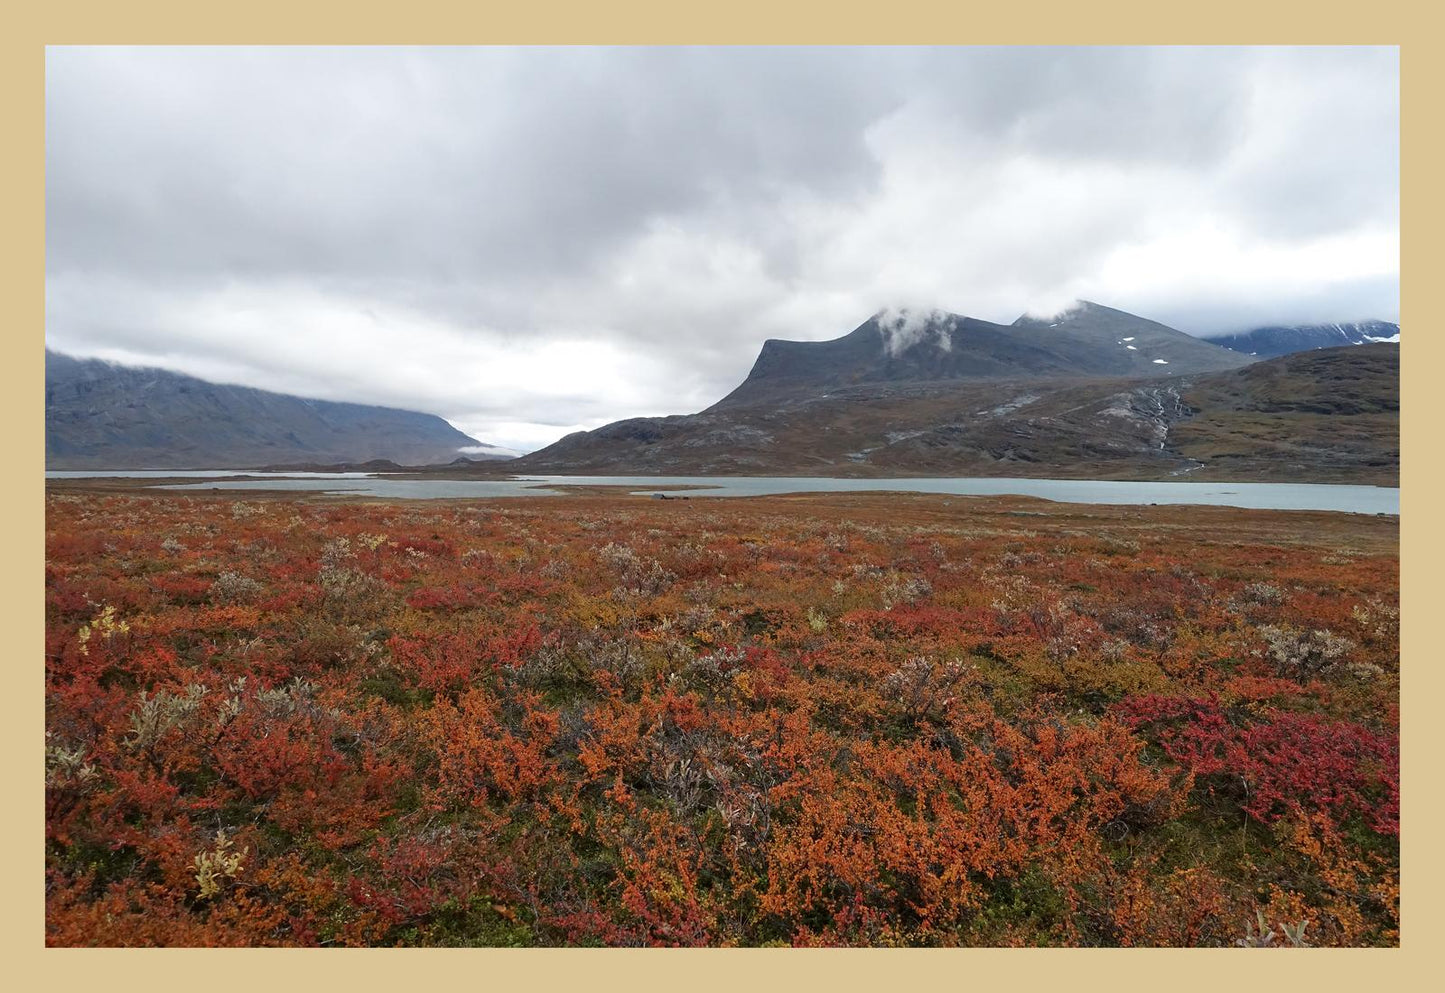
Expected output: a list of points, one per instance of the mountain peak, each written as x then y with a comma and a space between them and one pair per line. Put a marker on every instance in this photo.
900, 345
1075, 311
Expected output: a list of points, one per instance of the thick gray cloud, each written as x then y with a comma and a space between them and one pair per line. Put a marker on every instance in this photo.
528, 241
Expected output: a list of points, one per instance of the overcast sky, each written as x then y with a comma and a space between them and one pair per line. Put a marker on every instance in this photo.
532, 241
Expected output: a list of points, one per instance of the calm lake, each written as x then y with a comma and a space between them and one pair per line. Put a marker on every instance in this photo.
1257, 496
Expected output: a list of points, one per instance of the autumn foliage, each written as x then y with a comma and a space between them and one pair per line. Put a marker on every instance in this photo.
809, 721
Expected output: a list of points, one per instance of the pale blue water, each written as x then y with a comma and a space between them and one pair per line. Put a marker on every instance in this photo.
1258, 496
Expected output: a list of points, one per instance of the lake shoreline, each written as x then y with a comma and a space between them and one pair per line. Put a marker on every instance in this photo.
1334, 497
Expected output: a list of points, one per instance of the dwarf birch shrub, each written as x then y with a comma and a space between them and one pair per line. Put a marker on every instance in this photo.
1301, 655
234, 588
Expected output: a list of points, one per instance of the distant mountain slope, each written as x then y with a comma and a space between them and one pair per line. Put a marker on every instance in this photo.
1089, 340
104, 416
1284, 339
1331, 412
1323, 416
1107, 341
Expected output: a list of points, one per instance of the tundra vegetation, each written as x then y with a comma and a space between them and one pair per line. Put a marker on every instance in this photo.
812, 720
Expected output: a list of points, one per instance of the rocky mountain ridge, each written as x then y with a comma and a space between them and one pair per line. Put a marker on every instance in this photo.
1095, 393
